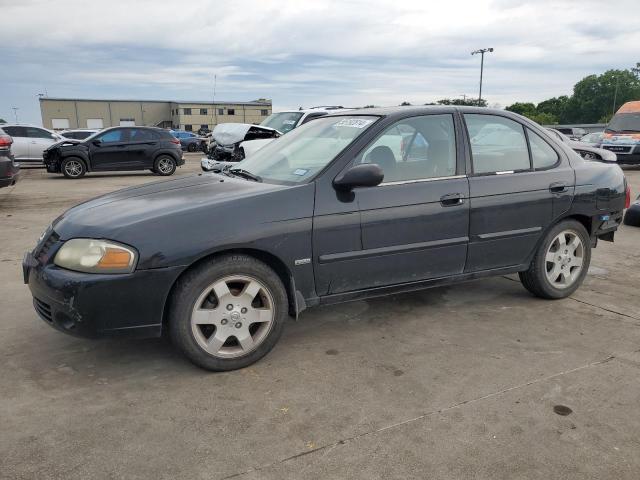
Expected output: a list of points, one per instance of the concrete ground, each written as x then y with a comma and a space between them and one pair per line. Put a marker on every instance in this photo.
455, 382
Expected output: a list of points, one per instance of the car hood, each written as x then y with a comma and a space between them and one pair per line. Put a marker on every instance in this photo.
119, 210
67, 142
231, 133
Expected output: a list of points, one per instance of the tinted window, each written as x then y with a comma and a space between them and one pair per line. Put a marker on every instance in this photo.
38, 133
113, 136
140, 135
542, 154
497, 144
15, 131
415, 148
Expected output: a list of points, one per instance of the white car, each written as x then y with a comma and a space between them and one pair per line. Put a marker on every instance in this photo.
29, 142
286, 121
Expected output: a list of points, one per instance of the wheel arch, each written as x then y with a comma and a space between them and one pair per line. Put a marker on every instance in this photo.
271, 260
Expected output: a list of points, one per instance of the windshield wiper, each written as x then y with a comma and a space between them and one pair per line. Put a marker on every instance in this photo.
245, 173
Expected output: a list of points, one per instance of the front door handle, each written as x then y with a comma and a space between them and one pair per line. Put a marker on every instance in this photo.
558, 187
451, 199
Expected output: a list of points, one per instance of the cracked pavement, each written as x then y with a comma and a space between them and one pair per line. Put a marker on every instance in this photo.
453, 382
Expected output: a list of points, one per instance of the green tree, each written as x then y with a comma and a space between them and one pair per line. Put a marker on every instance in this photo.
556, 106
405, 104
544, 119
526, 109
2, 120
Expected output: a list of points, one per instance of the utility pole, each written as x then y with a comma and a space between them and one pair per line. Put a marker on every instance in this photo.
615, 97
15, 113
481, 51
215, 110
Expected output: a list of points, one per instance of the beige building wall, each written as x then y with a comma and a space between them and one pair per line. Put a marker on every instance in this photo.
112, 112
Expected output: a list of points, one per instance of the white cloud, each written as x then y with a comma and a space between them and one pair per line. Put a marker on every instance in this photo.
346, 51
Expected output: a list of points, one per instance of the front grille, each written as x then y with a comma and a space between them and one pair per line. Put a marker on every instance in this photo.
43, 309
617, 148
42, 254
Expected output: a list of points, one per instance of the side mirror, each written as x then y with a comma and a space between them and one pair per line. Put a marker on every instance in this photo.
363, 175
97, 142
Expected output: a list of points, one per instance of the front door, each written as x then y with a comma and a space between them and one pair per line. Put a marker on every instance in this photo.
411, 227
520, 183
109, 150
39, 140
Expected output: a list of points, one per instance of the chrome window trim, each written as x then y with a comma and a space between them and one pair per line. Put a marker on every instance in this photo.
420, 180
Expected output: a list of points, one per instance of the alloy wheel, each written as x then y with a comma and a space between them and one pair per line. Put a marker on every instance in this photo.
232, 316
165, 165
564, 259
73, 168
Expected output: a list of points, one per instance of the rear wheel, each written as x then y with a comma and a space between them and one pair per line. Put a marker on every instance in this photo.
561, 262
192, 147
228, 313
73, 168
632, 217
164, 165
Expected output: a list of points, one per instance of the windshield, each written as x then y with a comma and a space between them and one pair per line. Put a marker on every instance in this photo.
283, 122
624, 122
298, 156
592, 138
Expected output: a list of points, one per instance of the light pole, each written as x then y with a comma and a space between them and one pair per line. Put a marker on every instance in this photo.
15, 112
481, 51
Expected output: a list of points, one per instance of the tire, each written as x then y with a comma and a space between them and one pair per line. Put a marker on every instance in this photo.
73, 168
164, 165
552, 261
208, 307
192, 147
632, 217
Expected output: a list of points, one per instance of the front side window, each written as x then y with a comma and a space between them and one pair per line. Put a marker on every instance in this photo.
542, 155
112, 136
38, 133
414, 148
300, 155
498, 144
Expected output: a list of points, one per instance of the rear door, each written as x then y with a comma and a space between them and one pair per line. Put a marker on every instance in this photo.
519, 185
20, 146
142, 143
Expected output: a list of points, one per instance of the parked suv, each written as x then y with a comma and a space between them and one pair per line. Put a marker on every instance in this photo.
9, 169
116, 149
29, 142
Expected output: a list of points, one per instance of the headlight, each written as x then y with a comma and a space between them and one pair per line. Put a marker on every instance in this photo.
96, 256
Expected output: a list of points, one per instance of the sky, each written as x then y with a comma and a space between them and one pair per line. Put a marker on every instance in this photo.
307, 53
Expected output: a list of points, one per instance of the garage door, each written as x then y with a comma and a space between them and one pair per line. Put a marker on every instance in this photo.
94, 123
60, 123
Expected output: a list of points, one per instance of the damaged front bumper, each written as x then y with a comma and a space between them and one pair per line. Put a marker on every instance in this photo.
98, 305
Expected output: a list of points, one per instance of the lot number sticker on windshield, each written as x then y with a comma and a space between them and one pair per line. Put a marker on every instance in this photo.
353, 122
300, 171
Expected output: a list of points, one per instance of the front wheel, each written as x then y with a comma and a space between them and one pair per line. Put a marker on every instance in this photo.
73, 168
560, 263
228, 313
192, 147
165, 165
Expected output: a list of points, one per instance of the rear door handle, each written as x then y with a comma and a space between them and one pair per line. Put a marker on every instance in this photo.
451, 199
558, 187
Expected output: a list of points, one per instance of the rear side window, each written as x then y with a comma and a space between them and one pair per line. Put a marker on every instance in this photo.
498, 144
15, 131
542, 154
140, 135
38, 133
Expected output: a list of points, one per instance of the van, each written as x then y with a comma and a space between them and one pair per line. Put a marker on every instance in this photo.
622, 135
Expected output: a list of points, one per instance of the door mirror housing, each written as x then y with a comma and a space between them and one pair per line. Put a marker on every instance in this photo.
363, 175
97, 142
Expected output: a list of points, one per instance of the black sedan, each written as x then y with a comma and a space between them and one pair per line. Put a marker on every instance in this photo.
338, 209
116, 149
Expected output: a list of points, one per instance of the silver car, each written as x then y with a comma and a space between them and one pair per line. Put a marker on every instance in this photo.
29, 142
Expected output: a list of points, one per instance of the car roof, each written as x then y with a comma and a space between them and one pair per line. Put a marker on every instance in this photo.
404, 111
